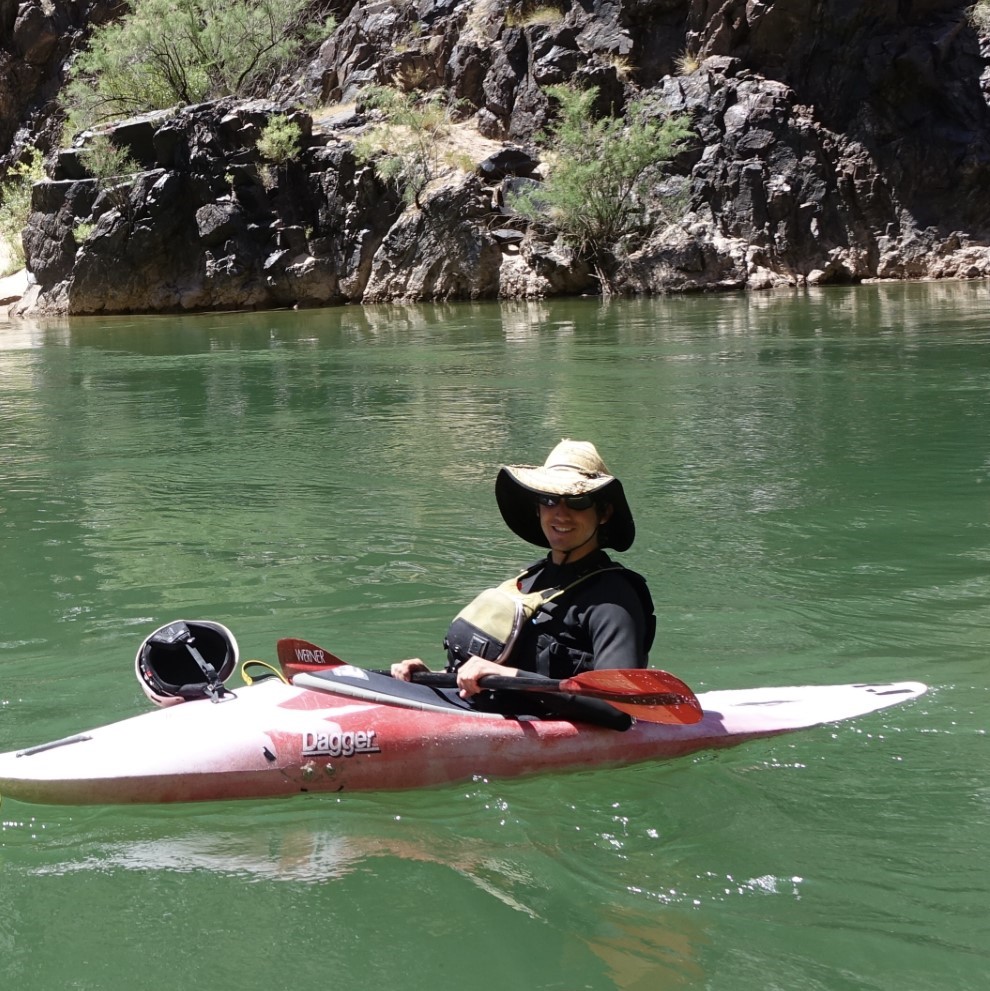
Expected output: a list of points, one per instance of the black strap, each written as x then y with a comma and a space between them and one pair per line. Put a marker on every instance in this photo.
640, 587
179, 633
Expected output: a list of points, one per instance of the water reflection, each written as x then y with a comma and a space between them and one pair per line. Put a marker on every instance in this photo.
576, 910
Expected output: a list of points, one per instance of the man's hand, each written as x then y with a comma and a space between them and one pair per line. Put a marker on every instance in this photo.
475, 668
403, 669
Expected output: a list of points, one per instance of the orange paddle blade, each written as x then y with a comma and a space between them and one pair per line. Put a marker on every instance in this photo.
649, 695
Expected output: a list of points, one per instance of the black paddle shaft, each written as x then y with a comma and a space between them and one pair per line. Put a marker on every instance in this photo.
445, 679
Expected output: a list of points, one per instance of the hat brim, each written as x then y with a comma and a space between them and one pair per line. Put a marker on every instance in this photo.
517, 486
556, 481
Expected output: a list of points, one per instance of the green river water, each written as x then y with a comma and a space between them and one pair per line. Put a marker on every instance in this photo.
810, 476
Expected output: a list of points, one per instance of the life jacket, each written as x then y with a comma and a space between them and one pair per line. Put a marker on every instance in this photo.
490, 625
558, 651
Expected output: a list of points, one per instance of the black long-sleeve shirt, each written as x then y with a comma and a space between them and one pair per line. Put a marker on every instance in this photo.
606, 621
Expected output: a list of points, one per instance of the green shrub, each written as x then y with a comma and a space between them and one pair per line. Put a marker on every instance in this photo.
105, 161
15, 205
81, 231
280, 140
179, 52
112, 168
408, 147
601, 173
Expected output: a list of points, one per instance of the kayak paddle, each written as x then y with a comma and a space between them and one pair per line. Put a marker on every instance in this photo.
650, 695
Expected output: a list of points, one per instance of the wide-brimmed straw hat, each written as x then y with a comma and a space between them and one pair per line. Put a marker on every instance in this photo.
574, 467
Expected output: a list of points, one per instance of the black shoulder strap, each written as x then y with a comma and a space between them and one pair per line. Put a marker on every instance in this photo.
642, 590
637, 581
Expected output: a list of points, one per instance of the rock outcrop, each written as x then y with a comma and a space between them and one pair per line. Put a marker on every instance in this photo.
37, 42
208, 224
834, 142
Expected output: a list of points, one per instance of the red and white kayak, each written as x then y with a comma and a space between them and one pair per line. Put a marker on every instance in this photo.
272, 739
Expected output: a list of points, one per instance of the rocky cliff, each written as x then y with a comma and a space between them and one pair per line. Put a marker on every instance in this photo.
834, 142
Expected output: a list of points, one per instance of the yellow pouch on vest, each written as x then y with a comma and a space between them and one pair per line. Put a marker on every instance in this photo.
490, 624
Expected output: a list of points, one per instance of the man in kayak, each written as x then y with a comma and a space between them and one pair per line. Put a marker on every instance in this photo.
592, 614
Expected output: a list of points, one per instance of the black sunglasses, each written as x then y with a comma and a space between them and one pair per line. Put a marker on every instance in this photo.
571, 502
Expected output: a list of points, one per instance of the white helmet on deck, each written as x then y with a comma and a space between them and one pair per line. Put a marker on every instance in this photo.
186, 660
